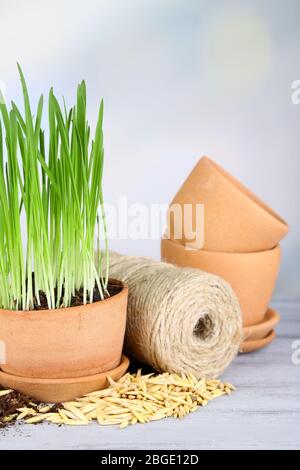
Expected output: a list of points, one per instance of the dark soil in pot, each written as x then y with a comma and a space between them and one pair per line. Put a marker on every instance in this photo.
77, 299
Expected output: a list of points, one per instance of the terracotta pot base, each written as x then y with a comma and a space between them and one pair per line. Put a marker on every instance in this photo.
60, 390
66, 342
255, 344
262, 329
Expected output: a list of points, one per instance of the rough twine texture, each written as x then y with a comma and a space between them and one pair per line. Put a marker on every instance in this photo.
179, 319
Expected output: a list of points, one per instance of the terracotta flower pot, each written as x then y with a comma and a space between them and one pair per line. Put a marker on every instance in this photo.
235, 220
251, 275
65, 343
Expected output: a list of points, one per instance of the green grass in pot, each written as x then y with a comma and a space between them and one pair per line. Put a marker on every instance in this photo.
55, 184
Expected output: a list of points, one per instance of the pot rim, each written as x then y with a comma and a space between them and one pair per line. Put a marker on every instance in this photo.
53, 311
227, 253
247, 193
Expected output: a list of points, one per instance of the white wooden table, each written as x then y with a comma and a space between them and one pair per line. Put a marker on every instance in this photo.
264, 412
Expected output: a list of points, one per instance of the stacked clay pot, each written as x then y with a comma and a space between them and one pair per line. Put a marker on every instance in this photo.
239, 242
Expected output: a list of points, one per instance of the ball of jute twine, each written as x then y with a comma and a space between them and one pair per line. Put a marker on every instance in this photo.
179, 319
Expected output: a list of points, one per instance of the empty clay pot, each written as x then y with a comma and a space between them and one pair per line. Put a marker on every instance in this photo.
251, 275
235, 220
67, 342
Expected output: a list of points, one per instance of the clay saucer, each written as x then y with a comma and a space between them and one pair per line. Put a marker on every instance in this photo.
261, 330
255, 344
60, 390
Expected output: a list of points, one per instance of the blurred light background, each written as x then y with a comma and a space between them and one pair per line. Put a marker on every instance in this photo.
180, 78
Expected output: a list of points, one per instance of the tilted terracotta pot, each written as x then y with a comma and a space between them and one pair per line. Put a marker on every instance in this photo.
251, 275
65, 343
235, 220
